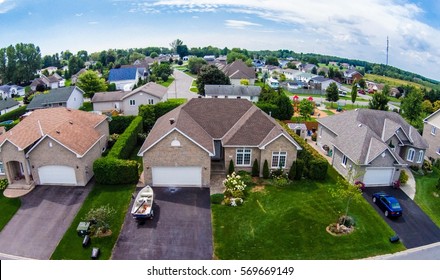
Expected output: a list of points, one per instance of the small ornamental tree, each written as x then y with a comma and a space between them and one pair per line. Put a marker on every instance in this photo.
255, 169
231, 168
100, 218
266, 171
292, 171
234, 190
299, 169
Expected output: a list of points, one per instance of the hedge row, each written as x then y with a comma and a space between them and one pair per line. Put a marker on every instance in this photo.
113, 171
150, 113
127, 141
13, 115
119, 124
315, 164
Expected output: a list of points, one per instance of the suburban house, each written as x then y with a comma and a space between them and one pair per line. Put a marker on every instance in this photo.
70, 97
128, 102
7, 105
55, 146
184, 143
237, 71
273, 83
124, 78
375, 144
321, 83
431, 134
250, 93
299, 128
352, 75
308, 67
52, 82
75, 77
9, 91
50, 70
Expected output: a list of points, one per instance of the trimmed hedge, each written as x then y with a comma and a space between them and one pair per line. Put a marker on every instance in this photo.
315, 164
113, 171
119, 124
150, 113
13, 115
127, 141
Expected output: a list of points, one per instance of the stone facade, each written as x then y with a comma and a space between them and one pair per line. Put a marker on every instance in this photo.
188, 154
433, 139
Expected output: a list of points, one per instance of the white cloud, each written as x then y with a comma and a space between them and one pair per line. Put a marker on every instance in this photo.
6, 6
93, 22
79, 14
239, 24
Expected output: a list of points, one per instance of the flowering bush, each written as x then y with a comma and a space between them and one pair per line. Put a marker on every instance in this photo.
234, 192
360, 185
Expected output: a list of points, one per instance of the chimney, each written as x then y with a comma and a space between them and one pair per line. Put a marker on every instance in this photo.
172, 121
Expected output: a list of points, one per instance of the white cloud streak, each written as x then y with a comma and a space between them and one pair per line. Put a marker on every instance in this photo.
6, 6
239, 24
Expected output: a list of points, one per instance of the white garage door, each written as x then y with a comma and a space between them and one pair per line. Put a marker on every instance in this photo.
57, 174
378, 177
177, 176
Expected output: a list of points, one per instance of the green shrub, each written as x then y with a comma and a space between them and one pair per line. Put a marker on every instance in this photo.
119, 124
266, 171
113, 171
292, 171
217, 198
403, 178
347, 221
162, 108
438, 184
231, 167
255, 169
3, 184
427, 165
317, 169
127, 141
299, 169
13, 115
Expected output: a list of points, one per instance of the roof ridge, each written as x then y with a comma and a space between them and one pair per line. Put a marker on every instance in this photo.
239, 123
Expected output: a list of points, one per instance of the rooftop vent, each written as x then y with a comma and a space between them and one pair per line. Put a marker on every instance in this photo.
58, 132
71, 122
172, 121
359, 125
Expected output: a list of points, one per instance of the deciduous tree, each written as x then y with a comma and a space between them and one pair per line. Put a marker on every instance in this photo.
91, 83
210, 75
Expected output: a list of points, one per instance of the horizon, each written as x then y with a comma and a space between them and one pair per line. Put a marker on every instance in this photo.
356, 30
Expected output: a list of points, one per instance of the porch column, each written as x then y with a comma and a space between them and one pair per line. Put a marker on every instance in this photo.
8, 172
26, 172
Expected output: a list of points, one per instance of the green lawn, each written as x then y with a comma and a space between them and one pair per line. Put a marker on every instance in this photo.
118, 197
194, 87
8, 208
290, 223
87, 106
19, 98
167, 83
427, 196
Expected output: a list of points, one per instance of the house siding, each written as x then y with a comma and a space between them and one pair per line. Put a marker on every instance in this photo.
404, 152
280, 144
107, 106
432, 140
337, 163
325, 137
141, 98
230, 153
75, 100
188, 154
9, 109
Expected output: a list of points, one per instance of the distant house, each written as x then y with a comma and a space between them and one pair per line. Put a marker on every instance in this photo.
237, 71
7, 105
142, 68
431, 133
352, 75
273, 83
295, 84
124, 78
75, 77
308, 67
290, 74
43, 81
299, 128
128, 102
250, 93
8, 91
70, 97
50, 70
208, 58
56, 81
321, 83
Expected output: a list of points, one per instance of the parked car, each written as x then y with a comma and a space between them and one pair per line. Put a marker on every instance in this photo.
389, 204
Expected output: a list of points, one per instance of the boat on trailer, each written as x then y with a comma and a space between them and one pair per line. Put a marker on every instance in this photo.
143, 204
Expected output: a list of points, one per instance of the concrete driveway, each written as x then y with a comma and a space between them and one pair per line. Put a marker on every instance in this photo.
181, 228
40, 223
414, 227
180, 87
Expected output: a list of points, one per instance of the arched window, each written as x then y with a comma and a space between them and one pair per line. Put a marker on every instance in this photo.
420, 157
410, 155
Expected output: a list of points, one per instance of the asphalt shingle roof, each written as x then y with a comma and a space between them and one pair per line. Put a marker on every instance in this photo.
58, 95
122, 74
232, 90
8, 103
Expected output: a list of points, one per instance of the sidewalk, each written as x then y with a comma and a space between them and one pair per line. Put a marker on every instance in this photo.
410, 187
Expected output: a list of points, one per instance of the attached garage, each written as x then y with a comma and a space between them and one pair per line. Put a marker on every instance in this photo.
57, 175
181, 176
378, 177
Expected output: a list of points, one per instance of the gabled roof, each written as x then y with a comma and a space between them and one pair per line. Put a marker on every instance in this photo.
151, 88
232, 90
108, 96
236, 122
238, 70
8, 103
55, 78
433, 119
122, 74
73, 129
58, 95
362, 133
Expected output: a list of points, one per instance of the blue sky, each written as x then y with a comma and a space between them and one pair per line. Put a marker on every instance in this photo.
353, 29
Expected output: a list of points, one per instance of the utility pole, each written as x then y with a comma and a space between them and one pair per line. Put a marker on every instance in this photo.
388, 45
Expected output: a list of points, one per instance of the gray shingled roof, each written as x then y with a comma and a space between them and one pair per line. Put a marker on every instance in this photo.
58, 95
234, 121
149, 88
361, 135
232, 90
8, 103
239, 70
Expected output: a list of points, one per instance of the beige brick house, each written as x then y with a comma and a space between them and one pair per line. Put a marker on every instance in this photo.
55, 146
186, 142
431, 133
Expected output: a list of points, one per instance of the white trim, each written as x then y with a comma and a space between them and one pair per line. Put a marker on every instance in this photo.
42, 138
420, 156
426, 119
279, 157
141, 154
298, 147
97, 141
433, 130
383, 130
409, 152
243, 154
327, 128
1, 145
344, 164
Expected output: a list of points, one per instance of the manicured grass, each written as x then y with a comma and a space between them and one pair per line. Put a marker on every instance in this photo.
8, 208
391, 81
87, 106
118, 197
290, 223
427, 196
194, 87
167, 83
19, 98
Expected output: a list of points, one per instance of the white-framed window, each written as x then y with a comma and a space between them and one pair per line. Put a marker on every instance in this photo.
344, 160
420, 157
2, 169
433, 130
279, 159
243, 157
132, 102
151, 101
410, 155
438, 150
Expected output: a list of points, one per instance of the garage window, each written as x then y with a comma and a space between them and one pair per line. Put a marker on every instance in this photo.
279, 159
243, 157
410, 155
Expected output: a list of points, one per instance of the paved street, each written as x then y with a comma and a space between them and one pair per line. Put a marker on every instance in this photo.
180, 87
